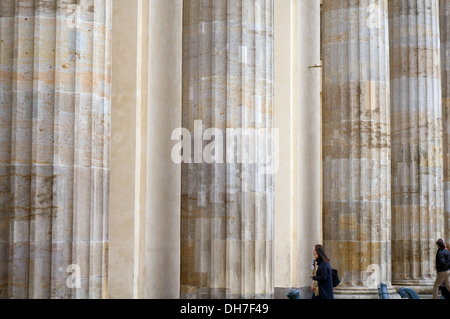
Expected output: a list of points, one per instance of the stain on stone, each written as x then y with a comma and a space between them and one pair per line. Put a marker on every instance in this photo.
356, 141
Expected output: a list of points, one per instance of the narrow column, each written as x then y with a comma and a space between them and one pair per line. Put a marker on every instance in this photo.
54, 146
145, 182
417, 141
162, 248
128, 135
227, 201
356, 144
297, 115
445, 67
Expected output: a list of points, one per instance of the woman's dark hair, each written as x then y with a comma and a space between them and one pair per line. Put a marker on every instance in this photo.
440, 242
321, 252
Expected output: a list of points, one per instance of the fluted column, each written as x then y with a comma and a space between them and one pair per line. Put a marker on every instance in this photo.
445, 67
417, 141
54, 144
227, 206
356, 144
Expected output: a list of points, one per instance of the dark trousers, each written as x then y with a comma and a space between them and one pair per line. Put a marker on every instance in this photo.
445, 293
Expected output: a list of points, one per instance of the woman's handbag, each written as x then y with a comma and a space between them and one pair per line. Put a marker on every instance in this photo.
336, 280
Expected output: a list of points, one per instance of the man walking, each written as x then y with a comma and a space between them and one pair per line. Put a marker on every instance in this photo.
442, 267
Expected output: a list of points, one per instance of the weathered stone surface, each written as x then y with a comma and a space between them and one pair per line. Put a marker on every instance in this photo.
417, 140
227, 209
356, 143
445, 71
54, 146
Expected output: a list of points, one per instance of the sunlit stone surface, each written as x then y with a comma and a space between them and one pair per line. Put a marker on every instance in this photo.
54, 146
227, 209
356, 144
417, 141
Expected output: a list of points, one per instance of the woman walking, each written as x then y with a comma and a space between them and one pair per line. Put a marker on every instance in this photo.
444, 291
324, 276
442, 267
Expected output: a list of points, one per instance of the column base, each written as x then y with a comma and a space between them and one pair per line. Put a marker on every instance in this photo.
421, 287
190, 292
363, 293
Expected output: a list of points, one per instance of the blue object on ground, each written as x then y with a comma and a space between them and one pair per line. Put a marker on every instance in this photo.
383, 292
294, 294
408, 293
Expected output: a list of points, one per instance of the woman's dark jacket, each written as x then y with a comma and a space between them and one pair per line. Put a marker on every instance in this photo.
442, 260
325, 279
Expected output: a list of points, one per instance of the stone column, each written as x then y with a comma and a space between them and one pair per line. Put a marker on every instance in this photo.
145, 182
162, 249
297, 115
227, 201
54, 146
128, 144
445, 67
417, 141
356, 144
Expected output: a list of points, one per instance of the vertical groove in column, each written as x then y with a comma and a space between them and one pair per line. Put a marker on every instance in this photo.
356, 142
218, 253
445, 67
41, 152
185, 225
54, 167
6, 77
417, 140
227, 205
62, 171
81, 160
21, 147
272, 149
